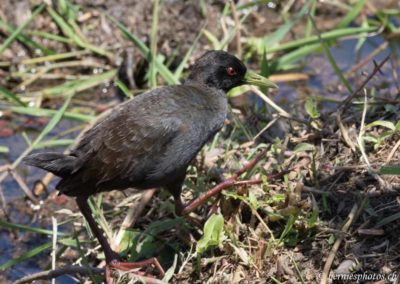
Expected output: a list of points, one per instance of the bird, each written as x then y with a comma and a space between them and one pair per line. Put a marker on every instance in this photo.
149, 141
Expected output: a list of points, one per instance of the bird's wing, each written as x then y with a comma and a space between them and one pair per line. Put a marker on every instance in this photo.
121, 147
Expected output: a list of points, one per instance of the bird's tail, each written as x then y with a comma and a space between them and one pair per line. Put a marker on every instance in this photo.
59, 164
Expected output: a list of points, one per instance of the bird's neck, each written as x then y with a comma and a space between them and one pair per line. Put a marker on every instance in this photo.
212, 90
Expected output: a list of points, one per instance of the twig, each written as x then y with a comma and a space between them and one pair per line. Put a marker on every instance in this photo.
336, 245
383, 184
133, 213
23, 185
281, 111
391, 154
345, 133
223, 185
50, 274
367, 59
377, 68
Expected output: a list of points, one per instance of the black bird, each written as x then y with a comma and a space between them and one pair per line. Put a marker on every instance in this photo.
150, 140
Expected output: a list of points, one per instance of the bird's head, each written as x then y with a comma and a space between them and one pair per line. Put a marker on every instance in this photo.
221, 70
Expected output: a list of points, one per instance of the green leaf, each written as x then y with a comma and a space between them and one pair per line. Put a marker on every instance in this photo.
382, 123
213, 233
253, 200
397, 126
237, 91
370, 138
4, 149
158, 227
304, 147
390, 170
311, 107
127, 239
171, 271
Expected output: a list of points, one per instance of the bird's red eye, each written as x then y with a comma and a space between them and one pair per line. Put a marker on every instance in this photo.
231, 71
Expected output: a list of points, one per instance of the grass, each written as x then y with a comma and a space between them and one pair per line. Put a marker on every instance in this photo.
339, 151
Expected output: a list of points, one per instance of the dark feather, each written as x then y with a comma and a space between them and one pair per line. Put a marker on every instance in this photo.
59, 164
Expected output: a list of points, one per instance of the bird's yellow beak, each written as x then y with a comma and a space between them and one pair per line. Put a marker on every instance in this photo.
253, 78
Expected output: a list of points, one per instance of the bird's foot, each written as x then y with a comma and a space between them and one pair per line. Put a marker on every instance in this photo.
127, 266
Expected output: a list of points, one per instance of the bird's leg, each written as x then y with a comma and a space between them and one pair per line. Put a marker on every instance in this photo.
112, 258
222, 185
178, 204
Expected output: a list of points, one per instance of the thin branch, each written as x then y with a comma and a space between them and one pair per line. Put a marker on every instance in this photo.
232, 181
377, 68
133, 213
50, 274
328, 264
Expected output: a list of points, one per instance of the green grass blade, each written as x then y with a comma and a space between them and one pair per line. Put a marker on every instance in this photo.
25, 39
274, 38
309, 26
18, 31
24, 228
390, 170
329, 35
11, 96
352, 14
211, 38
40, 112
331, 60
145, 51
123, 88
52, 123
50, 36
153, 45
179, 70
37, 250
286, 61
69, 32
54, 143
80, 85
